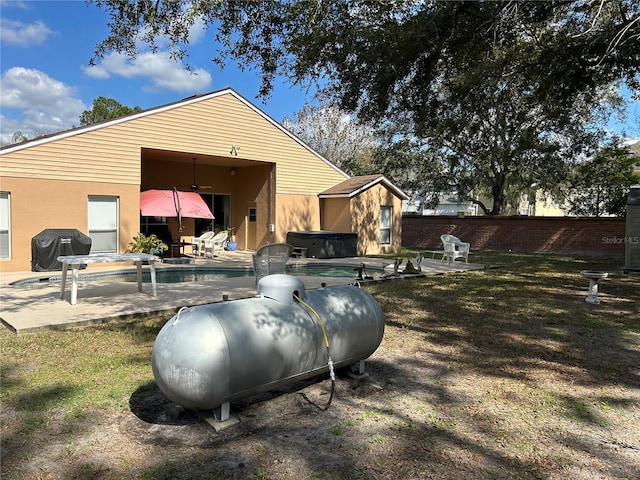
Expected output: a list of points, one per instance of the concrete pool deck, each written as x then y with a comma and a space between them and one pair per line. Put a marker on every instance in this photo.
37, 306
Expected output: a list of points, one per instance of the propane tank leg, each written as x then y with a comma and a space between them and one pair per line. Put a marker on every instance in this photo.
358, 368
222, 412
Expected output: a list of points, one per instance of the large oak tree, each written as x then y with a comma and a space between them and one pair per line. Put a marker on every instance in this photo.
500, 94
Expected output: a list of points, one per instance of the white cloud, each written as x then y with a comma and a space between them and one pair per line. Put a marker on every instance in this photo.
163, 72
14, 3
24, 34
47, 105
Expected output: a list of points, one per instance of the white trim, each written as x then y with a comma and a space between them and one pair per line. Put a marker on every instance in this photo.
7, 216
113, 199
389, 228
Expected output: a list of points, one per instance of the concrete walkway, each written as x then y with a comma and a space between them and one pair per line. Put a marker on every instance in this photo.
38, 305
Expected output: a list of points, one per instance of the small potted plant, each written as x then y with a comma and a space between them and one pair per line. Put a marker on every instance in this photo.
143, 244
232, 245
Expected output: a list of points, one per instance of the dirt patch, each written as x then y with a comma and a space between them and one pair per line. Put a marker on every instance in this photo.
414, 415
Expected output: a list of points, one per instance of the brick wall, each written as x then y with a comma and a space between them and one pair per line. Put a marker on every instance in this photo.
527, 234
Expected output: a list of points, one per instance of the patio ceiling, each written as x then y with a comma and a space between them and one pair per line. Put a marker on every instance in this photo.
150, 155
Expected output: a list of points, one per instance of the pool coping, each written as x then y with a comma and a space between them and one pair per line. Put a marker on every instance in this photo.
37, 306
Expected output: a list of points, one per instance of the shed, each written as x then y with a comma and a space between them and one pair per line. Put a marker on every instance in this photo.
369, 205
632, 238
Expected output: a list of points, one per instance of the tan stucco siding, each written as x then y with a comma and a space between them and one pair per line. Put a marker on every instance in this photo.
60, 204
336, 214
296, 213
365, 213
250, 189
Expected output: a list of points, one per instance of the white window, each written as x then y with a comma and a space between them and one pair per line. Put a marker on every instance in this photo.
386, 221
103, 223
5, 226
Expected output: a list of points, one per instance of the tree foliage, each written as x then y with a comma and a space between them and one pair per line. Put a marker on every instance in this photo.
499, 95
600, 185
105, 109
19, 137
382, 55
335, 135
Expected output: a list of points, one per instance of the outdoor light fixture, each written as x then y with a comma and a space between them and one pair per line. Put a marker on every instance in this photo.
232, 171
234, 150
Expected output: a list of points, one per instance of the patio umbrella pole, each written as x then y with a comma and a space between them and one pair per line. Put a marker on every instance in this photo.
176, 201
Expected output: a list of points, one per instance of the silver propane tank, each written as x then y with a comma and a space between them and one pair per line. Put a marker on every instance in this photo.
208, 356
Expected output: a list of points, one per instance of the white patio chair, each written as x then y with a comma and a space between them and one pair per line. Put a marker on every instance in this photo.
271, 258
197, 243
454, 248
215, 244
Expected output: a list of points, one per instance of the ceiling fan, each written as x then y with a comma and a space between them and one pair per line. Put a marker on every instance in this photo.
194, 186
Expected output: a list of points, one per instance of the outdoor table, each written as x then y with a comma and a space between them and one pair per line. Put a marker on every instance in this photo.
77, 261
178, 246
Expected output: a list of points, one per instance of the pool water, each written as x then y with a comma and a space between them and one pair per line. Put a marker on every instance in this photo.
200, 274
204, 274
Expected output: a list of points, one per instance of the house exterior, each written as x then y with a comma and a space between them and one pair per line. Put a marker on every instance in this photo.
531, 203
257, 178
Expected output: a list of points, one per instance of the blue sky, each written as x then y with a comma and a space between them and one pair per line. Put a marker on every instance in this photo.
46, 83
45, 48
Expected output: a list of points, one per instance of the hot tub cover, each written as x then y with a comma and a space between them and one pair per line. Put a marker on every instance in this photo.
325, 244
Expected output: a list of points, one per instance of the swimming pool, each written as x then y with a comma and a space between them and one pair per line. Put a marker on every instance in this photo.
186, 274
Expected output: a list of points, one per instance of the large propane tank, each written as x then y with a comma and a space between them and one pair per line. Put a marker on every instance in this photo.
209, 355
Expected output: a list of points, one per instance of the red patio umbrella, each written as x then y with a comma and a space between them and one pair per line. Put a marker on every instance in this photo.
172, 203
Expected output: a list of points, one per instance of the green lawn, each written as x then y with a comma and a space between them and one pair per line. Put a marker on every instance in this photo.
504, 372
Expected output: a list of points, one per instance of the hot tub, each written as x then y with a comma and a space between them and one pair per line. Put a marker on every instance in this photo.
325, 244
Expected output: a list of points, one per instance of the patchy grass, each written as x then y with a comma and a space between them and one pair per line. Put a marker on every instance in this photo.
499, 373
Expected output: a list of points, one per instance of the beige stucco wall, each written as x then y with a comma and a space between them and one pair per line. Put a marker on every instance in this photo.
336, 214
36, 206
296, 213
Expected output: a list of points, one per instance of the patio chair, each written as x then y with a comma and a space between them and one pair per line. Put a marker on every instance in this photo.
271, 258
215, 244
197, 243
454, 248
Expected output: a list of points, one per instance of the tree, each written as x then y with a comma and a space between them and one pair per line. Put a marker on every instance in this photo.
377, 55
495, 141
428, 67
600, 185
19, 137
336, 136
105, 109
